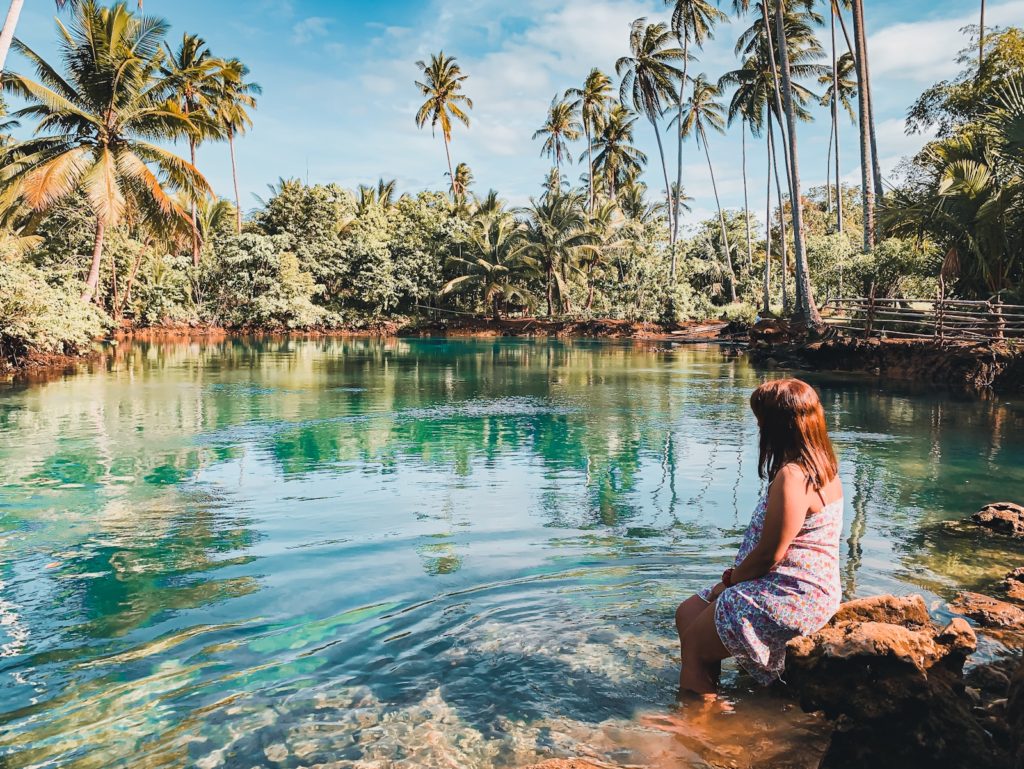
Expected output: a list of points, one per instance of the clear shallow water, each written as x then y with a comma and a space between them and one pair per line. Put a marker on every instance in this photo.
427, 553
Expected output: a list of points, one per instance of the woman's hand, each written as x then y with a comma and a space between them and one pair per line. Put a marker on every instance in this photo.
717, 590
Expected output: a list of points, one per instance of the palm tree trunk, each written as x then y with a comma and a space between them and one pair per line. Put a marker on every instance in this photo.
776, 92
806, 310
835, 119
783, 246
590, 166
721, 220
234, 178
876, 171
451, 174
93, 281
551, 280
828, 167
664, 170
746, 203
866, 177
767, 299
679, 158
7, 34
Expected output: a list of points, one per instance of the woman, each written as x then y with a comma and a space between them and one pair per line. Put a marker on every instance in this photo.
785, 580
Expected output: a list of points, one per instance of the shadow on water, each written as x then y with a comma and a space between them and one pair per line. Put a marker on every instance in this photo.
425, 552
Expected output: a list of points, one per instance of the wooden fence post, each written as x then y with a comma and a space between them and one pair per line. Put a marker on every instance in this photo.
939, 307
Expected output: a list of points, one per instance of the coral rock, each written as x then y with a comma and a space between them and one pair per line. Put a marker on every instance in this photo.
1003, 517
989, 612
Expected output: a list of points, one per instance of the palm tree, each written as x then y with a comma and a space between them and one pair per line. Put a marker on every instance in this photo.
235, 97
591, 101
839, 81
463, 179
648, 81
618, 162
442, 85
496, 265
871, 180
701, 112
560, 127
806, 309
605, 224
194, 74
556, 236
692, 21
103, 112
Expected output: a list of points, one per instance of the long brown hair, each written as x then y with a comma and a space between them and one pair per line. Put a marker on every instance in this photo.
792, 424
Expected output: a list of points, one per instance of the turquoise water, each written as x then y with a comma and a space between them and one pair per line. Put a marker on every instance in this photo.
426, 552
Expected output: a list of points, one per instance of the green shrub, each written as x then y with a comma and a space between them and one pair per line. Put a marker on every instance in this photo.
36, 317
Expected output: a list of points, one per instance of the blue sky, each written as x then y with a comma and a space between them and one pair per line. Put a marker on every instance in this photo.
339, 99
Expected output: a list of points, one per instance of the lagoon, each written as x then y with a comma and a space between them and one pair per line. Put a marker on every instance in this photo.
428, 552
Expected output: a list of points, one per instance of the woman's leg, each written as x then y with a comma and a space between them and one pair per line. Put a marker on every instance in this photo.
687, 613
702, 654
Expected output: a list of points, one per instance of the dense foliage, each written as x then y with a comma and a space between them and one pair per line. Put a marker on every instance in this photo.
90, 205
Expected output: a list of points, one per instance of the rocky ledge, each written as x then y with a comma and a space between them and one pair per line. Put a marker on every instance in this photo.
894, 683
1002, 518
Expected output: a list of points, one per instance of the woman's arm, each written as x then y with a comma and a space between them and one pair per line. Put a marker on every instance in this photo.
788, 501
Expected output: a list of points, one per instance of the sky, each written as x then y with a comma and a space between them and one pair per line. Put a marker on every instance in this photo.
339, 98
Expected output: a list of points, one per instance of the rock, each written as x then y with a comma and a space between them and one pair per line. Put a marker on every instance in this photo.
567, 763
989, 612
1013, 584
989, 679
1015, 716
1004, 517
893, 680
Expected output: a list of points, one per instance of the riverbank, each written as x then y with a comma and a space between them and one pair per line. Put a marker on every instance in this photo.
967, 366
36, 364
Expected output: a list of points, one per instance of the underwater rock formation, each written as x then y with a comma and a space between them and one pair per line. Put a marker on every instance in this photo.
1003, 517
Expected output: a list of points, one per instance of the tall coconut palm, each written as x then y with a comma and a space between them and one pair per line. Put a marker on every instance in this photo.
442, 85
591, 101
871, 181
701, 112
693, 22
806, 309
649, 78
618, 162
557, 236
235, 98
96, 123
560, 128
495, 263
841, 88
193, 71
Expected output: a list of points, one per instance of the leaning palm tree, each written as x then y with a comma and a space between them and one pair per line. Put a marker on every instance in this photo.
701, 112
96, 123
495, 265
560, 128
194, 74
648, 83
442, 85
235, 97
591, 102
693, 22
618, 162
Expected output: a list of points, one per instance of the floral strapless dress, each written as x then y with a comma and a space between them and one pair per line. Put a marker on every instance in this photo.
755, 619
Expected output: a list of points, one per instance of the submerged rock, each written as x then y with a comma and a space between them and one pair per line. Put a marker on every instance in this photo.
1015, 716
989, 612
1013, 584
893, 681
1003, 517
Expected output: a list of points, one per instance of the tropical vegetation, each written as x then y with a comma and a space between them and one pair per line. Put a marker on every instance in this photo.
104, 223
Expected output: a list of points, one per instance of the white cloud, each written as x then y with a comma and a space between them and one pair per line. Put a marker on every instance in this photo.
310, 28
925, 51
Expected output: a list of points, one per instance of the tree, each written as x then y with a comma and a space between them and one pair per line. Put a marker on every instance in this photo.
693, 21
235, 97
806, 309
703, 111
556, 236
871, 179
96, 121
560, 128
648, 82
591, 102
442, 85
840, 89
192, 72
618, 162
495, 266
